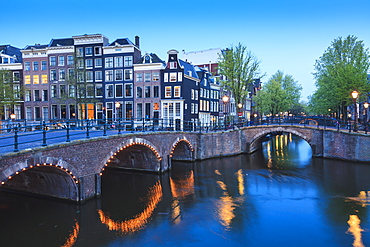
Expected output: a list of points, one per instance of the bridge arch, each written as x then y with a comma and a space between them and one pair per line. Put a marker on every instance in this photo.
135, 153
256, 140
47, 179
182, 149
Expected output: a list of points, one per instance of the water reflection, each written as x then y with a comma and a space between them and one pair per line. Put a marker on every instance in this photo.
278, 196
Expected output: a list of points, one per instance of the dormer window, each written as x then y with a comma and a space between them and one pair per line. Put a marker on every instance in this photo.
173, 65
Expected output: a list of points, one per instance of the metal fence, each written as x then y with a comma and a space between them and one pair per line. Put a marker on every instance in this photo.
22, 134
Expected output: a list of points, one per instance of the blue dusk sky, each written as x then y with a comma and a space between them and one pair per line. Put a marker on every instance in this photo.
286, 35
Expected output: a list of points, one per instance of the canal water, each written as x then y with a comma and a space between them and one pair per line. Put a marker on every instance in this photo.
279, 196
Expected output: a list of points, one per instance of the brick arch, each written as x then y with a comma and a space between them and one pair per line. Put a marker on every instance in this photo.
182, 149
59, 179
257, 139
135, 146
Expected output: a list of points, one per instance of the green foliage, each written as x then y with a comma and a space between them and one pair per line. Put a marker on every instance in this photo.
240, 68
9, 95
341, 69
280, 94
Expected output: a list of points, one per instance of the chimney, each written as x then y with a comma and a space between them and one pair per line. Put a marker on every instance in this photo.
137, 41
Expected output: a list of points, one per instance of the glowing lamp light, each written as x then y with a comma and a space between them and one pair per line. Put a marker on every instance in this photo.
354, 94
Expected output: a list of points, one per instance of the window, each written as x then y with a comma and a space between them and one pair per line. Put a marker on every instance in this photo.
45, 112
128, 61
98, 63
147, 77
98, 75
167, 91
147, 91
173, 77
165, 79
192, 108
89, 76
53, 91
54, 111
16, 76
70, 60
71, 91
53, 61
147, 110
109, 91
173, 65
27, 79
89, 63
88, 51
98, 90
128, 107
45, 95
177, 91
36, 79
44, 79
97, 50
80, 52
109, 75
80, 63
27, 95
35, 66
196, 94
179, 76
139, 92
128, 90
192, 94
109, 62
119, 91
177, 109
155, 76
43, 65
118, 61
156, 91
27, 66
119, 75
156, 106
62, 74
61, 60
62, 91
128, 74
90, 91
139, 110
71, 73
139, 77
28, 113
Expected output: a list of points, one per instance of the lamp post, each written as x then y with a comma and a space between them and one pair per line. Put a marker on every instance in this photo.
354, 96
225, 99
366, 105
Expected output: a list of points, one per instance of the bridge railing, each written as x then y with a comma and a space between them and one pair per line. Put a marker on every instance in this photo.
22, 134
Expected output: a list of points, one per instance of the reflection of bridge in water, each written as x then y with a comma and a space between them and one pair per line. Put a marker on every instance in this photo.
73, 170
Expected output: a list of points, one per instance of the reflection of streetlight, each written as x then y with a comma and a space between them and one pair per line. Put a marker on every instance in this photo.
225, 99
354, 96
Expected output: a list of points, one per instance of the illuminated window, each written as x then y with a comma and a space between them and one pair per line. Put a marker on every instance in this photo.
155, 76
177, 91
44, 79
27, 79
173, 77
36, 79
167, 91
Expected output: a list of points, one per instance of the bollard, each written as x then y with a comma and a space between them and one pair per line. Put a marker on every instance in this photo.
87, 129
68, 137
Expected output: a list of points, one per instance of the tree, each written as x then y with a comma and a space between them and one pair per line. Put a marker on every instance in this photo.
340, 70
10, 92
240, 67
280, 94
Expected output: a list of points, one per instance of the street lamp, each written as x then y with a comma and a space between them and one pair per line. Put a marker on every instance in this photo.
225, 99
12, 116
354, 96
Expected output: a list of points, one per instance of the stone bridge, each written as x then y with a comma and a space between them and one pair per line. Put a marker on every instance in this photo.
73, 170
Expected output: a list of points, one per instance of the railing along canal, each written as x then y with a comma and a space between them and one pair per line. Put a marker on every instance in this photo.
24, 134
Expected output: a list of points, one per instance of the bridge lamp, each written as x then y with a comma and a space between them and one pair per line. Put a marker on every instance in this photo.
354, 96
366, 105
12, 116
225, 99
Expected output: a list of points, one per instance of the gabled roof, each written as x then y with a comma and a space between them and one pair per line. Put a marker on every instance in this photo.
153, 58
189, 68
35, 46
61, 42
124, 41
